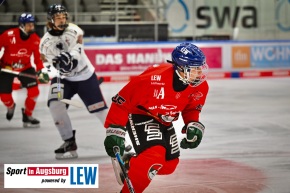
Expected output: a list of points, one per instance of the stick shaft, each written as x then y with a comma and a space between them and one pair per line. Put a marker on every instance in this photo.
121, 163
19, 73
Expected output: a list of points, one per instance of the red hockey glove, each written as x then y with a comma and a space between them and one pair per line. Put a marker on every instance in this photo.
194, 133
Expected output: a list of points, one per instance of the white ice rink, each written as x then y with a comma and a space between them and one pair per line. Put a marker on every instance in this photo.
245, 149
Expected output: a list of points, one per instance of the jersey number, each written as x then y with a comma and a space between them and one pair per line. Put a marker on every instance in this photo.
118, 99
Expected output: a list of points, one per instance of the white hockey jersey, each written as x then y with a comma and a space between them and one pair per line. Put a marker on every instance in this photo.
51, 46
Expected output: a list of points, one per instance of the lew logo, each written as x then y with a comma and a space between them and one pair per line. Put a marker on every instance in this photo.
156, 77
83, 175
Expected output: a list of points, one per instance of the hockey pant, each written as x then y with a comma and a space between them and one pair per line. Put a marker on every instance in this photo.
6, 82
30, 102
146, 165
157, 150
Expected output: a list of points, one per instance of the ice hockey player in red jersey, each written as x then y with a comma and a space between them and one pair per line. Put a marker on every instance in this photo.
19, 45
146, 108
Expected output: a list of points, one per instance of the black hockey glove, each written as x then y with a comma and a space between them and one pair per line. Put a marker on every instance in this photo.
194, 132
65, 61
115, 136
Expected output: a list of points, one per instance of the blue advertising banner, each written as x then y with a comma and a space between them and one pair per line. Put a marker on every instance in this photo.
270, 56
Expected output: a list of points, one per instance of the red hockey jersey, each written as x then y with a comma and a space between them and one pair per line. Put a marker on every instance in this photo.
152, 93
17, 52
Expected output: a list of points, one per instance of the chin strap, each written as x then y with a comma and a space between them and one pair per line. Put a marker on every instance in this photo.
24, 32
181, 78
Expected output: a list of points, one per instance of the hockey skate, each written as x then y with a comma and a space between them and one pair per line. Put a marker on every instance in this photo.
29, 121
68, 149
10, 112
126, 159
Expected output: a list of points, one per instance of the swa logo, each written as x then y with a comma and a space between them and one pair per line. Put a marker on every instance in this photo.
282, 12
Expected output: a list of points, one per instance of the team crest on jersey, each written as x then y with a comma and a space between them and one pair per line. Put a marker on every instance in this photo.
196, 96
61, 45
153, 170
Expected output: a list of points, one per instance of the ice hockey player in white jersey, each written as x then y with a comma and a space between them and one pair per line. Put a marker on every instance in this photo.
62, 48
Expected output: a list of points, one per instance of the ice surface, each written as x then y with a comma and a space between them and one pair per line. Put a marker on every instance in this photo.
247, 130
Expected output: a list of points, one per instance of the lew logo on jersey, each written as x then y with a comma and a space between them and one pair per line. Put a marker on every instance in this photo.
156, 77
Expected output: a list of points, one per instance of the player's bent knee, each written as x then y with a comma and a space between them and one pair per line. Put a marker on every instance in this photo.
156, 152
57, 107
5, 97
145, 166
169, 167
32, 92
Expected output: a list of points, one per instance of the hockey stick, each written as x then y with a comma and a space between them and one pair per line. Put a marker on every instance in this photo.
18, 73
101, 80
116, 150
67, 101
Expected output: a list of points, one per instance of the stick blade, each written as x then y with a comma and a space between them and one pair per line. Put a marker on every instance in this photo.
73, 103
117, 170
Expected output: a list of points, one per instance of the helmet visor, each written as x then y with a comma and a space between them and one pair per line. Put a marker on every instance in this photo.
195, 75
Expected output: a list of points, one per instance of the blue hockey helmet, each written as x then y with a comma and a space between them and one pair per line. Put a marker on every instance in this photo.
189, 63
26, 18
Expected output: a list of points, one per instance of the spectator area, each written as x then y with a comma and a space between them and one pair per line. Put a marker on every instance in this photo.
84, 11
